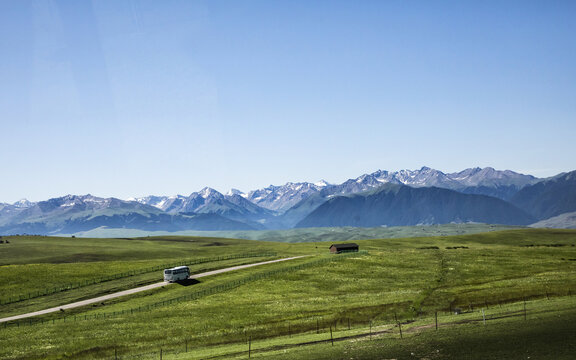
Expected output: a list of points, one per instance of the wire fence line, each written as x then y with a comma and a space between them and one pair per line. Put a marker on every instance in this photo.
140, 271
326, 330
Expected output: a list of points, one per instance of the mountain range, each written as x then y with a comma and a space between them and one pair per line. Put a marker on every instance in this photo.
382, 198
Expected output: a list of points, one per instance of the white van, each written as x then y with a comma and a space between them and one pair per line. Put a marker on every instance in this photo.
176, 273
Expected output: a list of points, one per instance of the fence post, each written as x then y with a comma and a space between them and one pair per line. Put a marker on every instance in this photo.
331, 338
370, 329
317, 327
249, 346
400, 327
524, 308
436, 319
483, 317
160, 353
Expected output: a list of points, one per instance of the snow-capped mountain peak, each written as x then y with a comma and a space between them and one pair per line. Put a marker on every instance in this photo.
489, 176
281, 198
208, 192
23, 203
235, 192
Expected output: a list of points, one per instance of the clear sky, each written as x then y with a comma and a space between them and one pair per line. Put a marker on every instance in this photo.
131, 98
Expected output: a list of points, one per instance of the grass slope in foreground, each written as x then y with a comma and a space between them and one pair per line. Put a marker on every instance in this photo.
404, 279
547, 332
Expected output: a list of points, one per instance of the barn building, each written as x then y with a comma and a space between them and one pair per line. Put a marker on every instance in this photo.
340, 248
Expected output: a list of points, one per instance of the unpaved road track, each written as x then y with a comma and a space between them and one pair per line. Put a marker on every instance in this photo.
136, 290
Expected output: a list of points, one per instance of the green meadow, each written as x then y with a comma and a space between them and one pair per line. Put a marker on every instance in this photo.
287, 310
324, 234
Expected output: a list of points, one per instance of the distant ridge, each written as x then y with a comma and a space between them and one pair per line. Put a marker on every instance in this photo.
562, 221
550, 197
401, 205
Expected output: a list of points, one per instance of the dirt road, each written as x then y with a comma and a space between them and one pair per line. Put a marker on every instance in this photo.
136, 290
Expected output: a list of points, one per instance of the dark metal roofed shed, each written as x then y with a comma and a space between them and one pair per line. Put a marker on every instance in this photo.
339, 248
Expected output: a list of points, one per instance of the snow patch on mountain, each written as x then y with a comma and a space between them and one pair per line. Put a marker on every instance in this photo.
281, 198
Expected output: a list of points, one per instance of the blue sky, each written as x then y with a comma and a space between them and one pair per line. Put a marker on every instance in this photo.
131, 98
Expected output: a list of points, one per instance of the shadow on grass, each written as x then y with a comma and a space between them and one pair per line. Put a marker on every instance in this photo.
187, 282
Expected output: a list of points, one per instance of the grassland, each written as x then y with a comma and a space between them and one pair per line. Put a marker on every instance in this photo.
404, 280
322, 234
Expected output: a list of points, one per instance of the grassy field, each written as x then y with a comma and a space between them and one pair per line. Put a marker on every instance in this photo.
287, 309
322, 234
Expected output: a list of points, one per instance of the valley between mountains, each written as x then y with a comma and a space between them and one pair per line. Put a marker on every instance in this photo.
380, 199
